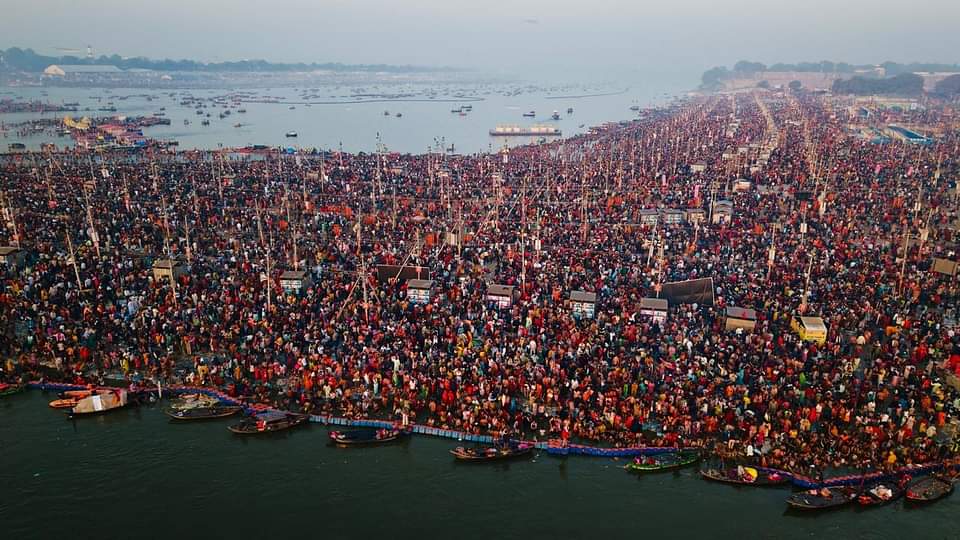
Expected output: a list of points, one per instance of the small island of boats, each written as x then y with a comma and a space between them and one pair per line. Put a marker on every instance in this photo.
521, 131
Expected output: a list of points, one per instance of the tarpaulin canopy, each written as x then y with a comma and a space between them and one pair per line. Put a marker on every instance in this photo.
691, 291
388, 271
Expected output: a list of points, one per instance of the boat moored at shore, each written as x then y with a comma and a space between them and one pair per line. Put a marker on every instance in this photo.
366, 437
268, 422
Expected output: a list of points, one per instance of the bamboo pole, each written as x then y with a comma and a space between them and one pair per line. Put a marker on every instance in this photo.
73, 259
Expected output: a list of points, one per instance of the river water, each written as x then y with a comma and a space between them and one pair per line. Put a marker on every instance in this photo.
133, 474
334, 117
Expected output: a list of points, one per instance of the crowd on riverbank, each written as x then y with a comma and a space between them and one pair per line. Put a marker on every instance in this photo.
548, 219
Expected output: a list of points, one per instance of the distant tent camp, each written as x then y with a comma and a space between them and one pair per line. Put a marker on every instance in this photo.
62, 70
691, 291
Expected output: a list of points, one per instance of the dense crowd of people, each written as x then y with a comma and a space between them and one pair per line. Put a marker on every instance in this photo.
823, 223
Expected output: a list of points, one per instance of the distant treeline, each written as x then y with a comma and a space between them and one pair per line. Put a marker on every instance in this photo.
949, 86
904, 84
17, 59
712, 78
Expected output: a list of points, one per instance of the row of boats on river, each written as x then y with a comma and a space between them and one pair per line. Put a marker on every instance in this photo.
197, 407
924, 489
201, 407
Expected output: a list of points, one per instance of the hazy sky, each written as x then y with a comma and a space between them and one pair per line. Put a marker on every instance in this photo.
563, 36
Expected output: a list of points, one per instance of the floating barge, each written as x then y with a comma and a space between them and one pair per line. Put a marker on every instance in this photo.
528, 131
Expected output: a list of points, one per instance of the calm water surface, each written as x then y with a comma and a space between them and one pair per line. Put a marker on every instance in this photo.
425, 123
132, 474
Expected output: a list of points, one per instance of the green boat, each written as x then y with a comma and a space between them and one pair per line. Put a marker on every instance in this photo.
10, 389
664, 462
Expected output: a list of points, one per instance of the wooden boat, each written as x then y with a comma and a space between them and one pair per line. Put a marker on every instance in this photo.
67, 403
203, 413
664, 462
744, 476
101, 402
190, 401
881, 493
492, 453
10, 389
268, 422
823, 498
75, 394
359, 437
929, 489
